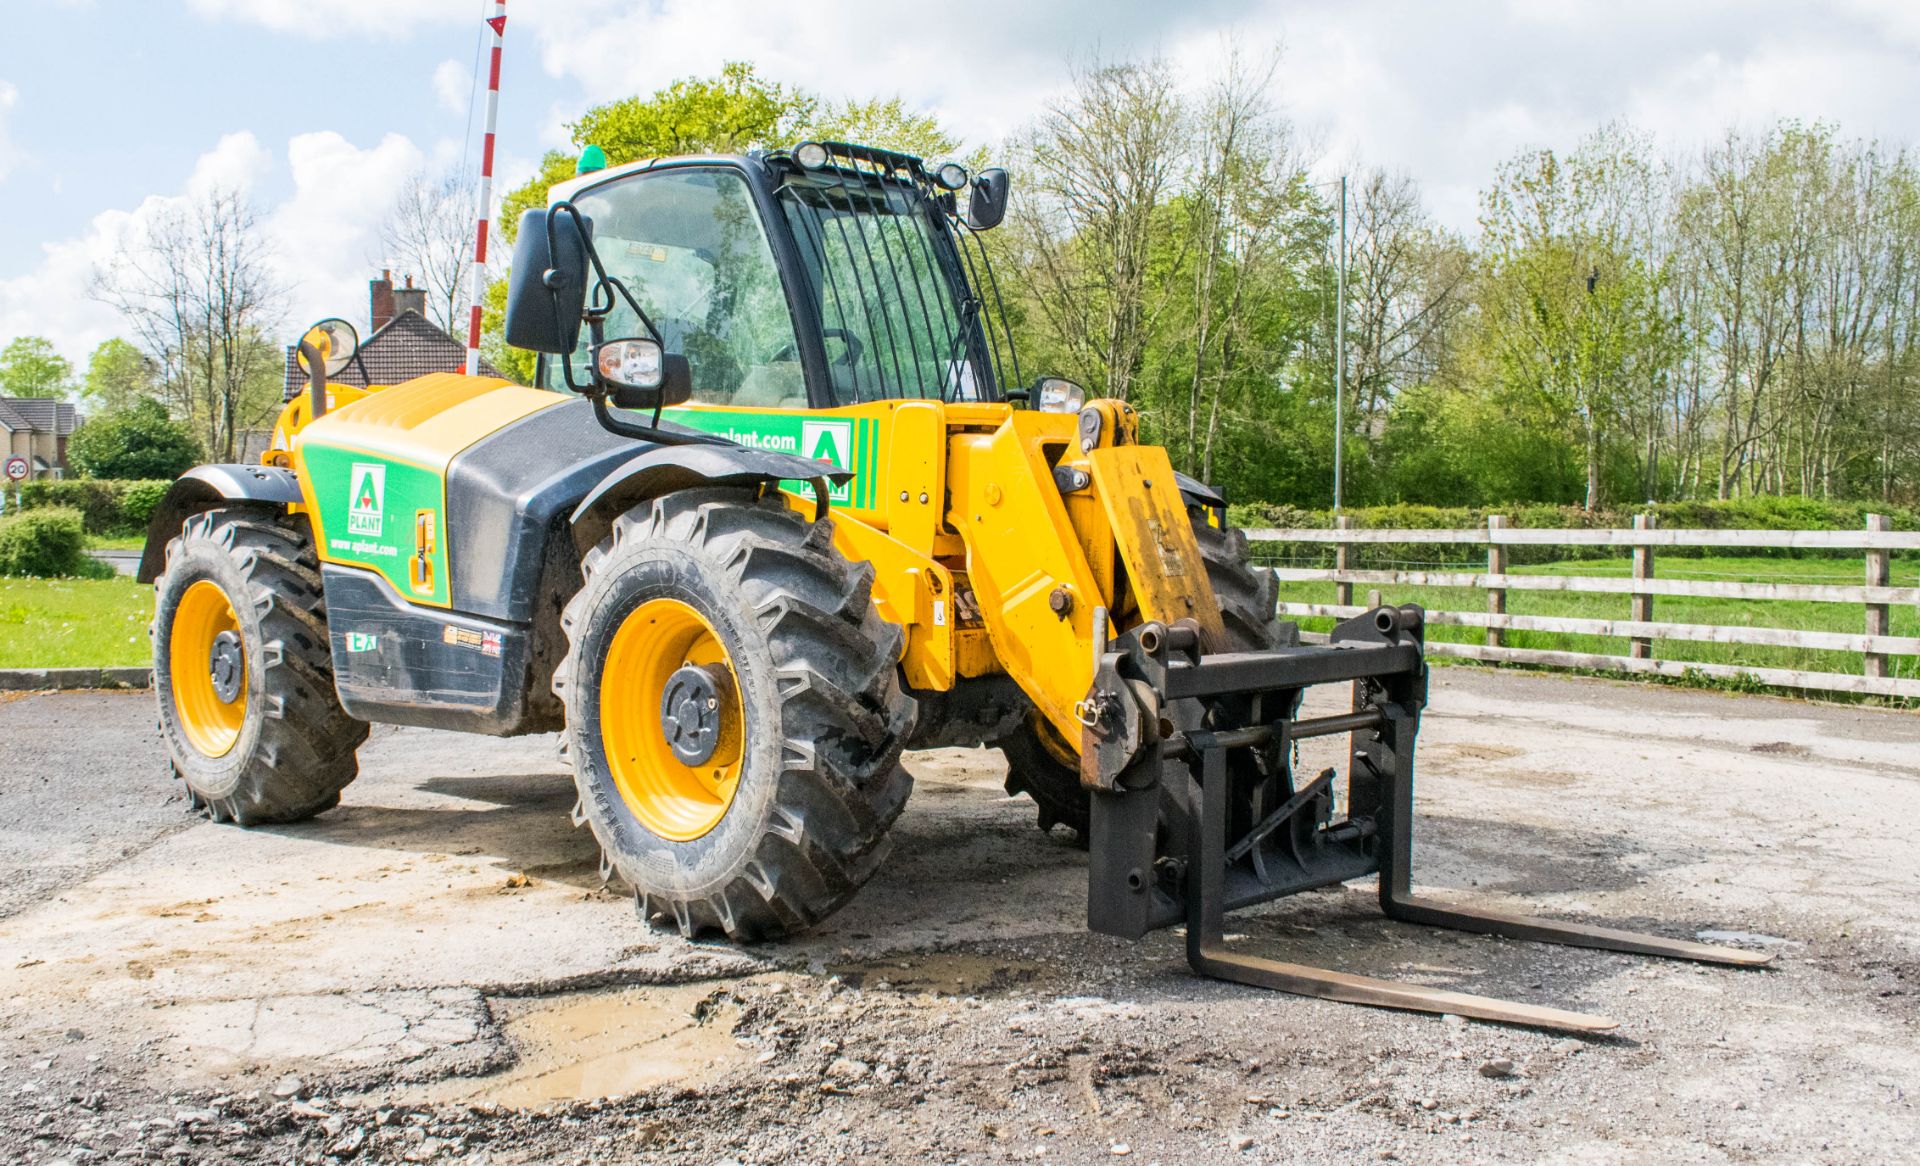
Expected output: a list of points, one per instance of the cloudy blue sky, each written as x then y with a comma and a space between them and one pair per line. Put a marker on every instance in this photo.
111, 108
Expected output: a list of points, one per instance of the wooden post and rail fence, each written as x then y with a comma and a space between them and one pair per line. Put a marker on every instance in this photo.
1875, 597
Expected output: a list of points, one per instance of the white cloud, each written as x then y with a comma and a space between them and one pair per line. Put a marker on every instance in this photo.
1418, 87
453, 85
985, 74
236, 163
324, 234
9, 156
340, 17
327, 233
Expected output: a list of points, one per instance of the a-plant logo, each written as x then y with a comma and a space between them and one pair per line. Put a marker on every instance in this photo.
367, 500
830, 441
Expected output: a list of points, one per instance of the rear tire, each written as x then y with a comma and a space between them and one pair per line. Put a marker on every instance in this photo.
1035, 764
812, 672
279, 748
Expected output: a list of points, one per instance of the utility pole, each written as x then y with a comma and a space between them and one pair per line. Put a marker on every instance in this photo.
1340, 351
497, 22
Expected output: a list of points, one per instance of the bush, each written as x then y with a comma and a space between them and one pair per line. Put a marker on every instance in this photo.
107, 508
139, 441
137, 500
46, 544
1736, 514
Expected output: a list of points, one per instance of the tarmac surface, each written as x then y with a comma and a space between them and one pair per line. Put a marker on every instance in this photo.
434, 972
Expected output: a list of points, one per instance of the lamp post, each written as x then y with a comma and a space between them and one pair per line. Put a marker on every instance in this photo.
1340, 351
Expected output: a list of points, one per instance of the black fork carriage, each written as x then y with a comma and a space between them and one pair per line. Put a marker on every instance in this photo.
1197, 809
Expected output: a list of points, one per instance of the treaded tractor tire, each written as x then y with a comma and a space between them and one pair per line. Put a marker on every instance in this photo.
815, 674
292, 745
1247, 599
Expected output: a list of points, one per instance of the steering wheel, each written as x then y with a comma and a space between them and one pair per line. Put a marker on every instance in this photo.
849, 356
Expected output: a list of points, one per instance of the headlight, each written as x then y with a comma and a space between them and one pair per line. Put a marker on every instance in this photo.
1058, 395
629, 364
812, 155
951, 176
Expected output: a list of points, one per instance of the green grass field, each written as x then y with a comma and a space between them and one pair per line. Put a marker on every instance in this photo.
1837, 617
74, 623
49, 623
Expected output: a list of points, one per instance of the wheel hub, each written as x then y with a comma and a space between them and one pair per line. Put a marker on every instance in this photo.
690, 713
225, 664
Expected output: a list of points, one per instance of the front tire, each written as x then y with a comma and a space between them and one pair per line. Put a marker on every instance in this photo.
243, 672
764, 813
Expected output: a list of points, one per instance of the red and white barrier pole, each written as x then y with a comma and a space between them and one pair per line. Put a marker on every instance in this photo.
498, 22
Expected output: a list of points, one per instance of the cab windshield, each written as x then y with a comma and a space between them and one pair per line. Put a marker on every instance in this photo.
891, 277
898, 319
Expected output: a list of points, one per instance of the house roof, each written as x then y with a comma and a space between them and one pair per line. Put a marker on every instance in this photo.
405, 347
38, 415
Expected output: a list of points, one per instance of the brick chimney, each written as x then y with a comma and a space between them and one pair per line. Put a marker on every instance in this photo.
381, 291
410, 299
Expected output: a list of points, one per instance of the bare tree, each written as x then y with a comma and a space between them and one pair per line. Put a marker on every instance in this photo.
1406, 285
198, 291
1096, 169
429, 235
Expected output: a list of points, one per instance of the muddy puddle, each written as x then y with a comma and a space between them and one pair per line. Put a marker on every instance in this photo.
602, 1044
954, 973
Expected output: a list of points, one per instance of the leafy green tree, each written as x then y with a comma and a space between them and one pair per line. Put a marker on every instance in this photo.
138, 441
889, 125
517, 363
30, 367
736, 111
118, 375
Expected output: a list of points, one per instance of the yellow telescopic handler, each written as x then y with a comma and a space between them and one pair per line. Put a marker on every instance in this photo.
782, 505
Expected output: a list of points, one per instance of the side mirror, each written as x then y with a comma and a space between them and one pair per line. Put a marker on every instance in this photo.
547, 292
637, 374
987, 205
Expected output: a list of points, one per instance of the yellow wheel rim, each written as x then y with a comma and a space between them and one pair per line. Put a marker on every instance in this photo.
206, 655
650, 655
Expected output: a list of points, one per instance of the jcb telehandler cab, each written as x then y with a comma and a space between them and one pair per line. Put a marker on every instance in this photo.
787, 508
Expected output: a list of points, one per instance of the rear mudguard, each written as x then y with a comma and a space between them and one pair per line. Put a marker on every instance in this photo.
667, 468
207, 488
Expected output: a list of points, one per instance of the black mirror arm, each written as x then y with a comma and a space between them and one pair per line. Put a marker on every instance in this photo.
604, 285
604, 414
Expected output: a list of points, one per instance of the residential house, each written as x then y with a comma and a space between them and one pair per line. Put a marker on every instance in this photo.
37, 429
402, 343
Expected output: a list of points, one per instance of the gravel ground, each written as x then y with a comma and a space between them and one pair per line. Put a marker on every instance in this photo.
432, 972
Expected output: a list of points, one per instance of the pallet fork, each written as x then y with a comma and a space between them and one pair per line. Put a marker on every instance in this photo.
1197, 810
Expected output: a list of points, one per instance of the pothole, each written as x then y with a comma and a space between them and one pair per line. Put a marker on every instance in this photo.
588, 1045
953, 973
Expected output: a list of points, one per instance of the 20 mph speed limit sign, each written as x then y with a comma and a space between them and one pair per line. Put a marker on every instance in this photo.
17, 468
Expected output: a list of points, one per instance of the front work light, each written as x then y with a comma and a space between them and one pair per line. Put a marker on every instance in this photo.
951, 176
812, 155
1058, 395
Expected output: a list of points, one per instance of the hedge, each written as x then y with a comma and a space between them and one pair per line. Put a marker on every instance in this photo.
1768, 513
106, 507
46, 544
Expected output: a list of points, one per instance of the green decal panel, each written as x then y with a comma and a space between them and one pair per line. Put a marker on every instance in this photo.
848, 442
382, 514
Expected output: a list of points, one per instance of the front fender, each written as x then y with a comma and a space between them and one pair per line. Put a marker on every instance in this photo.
206, 488
667, 468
